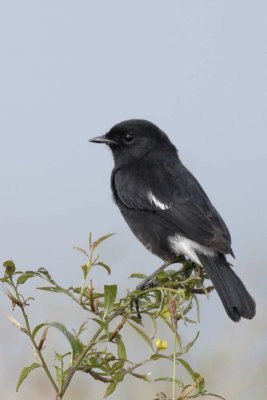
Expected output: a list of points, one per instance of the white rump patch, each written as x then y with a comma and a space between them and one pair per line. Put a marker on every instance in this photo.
187, 247
157, 202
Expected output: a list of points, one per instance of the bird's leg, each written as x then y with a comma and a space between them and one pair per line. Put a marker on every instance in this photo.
149, 281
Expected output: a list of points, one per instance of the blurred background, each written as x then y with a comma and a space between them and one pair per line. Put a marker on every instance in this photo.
69, 71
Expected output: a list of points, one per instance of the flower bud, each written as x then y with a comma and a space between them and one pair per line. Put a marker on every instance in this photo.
161, 344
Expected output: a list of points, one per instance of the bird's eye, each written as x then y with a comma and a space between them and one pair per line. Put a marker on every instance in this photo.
128, 138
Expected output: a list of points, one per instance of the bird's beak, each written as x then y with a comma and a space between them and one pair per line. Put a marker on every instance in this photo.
102, 139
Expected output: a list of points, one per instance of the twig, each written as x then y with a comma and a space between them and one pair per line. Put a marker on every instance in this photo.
96, 376
148, 281
38, 351
118, 328
91, 344
202, 291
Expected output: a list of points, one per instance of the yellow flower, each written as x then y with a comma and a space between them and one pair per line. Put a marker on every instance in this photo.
165, 313
161, 344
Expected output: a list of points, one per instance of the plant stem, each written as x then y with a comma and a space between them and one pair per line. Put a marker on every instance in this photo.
39, 353
79, 360
174, 366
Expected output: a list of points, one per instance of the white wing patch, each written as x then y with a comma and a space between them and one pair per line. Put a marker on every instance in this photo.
157, 202
187, 247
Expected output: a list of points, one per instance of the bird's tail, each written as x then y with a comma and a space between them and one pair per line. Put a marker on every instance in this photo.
234, 296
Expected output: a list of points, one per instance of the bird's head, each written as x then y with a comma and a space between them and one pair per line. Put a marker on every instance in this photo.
135, 139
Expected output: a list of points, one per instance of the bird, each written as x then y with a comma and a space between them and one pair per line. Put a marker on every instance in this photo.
168, 211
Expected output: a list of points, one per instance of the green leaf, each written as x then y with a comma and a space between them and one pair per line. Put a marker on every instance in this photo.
142, 334
10, 267
81, 329
101, 323
200, 382
215, 395
121, 348
110, 389
52, 289
119, 376
24, 373
159, 356
154, 323
140, 376
86, 268
189, 345
37, 328
166, 379
121, 354
43, 271
58, 374
24, 277
5, 279
58, 357
97, 242
110, 292
81, 250
107, 268
137, 320
139, 276
188, 368
76, 345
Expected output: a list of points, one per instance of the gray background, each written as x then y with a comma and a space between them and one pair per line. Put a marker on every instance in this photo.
69, 71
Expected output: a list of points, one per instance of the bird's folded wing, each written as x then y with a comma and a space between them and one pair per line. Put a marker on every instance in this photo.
176, 200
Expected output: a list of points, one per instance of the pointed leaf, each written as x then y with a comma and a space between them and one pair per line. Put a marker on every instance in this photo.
76, 345
97, 242
140, 376
52, 289
101, 323
166, 379
154, 323
137, 320
188, 368
121, 354
121, 348
24, 277
5, 280
43, 271
37, 328
86, 268
110, 292
189, 345
215, 395
81, 250
24, 373
158, 356
81, 329
139, 276
107, 268
10, 267
142, 334
110, 389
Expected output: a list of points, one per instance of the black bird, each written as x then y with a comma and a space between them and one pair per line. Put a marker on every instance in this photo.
168, 211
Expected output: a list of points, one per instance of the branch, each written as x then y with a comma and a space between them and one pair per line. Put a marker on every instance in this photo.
29, 333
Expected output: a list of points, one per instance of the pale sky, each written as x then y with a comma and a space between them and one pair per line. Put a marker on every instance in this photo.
69, 71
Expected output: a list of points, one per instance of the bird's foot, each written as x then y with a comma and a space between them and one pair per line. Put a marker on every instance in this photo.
147, 284
150, 281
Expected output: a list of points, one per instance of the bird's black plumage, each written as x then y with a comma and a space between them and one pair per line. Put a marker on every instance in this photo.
168, 211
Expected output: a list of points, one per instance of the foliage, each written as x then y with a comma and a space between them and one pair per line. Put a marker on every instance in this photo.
104, 356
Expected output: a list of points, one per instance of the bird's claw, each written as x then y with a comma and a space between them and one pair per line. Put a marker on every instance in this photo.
147, 284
